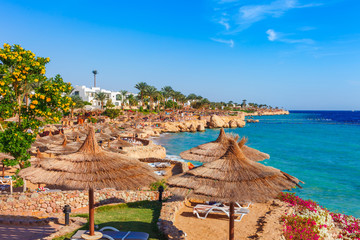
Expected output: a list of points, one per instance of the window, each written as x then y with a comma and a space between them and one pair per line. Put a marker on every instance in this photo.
76, 93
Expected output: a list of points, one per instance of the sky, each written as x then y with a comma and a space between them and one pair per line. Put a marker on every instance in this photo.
295, 54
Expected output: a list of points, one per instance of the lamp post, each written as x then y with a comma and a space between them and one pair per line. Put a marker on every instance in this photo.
67, 211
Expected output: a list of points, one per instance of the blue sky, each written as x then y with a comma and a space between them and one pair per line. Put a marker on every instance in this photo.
296, 54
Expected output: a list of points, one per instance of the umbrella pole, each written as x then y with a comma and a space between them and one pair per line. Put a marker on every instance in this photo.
91, 212
231, 225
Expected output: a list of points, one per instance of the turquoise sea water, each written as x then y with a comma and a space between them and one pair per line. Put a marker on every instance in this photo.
320, 148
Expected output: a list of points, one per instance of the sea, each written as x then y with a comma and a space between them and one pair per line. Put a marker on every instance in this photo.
321, 148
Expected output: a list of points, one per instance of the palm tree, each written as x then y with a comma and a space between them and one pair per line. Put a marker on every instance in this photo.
182, 99
141, 86
167, 92
95, 72
132, 100
151, 91
192, 97
101, 97
158, 97
243, 104
123, 97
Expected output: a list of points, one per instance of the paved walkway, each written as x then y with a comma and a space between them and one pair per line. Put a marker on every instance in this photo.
10, 232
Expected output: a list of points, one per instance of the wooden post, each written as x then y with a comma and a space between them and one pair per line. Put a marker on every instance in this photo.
11, 187
24, 186
3, 169
91, 212
231, 225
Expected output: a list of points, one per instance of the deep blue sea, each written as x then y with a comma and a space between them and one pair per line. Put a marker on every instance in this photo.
322, 148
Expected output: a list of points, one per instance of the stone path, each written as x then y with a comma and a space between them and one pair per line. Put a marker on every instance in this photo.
10, 232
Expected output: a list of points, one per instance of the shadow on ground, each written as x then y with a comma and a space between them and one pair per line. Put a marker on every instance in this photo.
10, 232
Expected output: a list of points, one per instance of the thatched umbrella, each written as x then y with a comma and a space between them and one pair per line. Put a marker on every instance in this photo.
232, 178
214, 150
117, 145
65, 147
91, 168
252, 153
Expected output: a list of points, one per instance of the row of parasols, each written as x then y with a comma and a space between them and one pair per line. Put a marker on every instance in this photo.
227, 174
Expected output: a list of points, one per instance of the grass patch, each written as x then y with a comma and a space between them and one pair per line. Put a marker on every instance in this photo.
137, 217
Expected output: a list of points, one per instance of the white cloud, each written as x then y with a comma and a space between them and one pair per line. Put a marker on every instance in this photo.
272, 36
275, 36
225, 23
228, 42
242, 16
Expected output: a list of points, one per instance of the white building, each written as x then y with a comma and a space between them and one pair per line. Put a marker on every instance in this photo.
88, 94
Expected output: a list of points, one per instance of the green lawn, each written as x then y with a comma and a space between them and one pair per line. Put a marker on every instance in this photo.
137, 217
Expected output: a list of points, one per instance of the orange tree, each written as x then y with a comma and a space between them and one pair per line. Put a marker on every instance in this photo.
27, 94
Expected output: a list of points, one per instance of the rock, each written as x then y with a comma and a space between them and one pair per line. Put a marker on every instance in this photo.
233, 124
216, 122
192, 128
22, 197
240, 123
34, 195
201, 128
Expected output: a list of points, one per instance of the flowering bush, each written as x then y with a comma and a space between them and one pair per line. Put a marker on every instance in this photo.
297, 227
311, 221
349, 225
25, 92
301, 204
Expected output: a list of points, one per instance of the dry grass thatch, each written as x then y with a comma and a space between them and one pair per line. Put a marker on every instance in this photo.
91, 168
233, 177
214, 150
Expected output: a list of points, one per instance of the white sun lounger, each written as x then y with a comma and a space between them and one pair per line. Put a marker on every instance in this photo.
115, 234
160, 173
207, 209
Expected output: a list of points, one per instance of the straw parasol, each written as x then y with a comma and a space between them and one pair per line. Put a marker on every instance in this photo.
117, 145
65, 147
214, 150
232, 178
91, 168
252, 153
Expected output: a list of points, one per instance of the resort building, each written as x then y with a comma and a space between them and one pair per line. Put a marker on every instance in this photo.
88, 94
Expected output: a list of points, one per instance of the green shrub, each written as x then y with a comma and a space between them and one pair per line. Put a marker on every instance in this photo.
155, 186
112, 113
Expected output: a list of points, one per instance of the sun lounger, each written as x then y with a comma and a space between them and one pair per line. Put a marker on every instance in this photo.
239, 212
160, 173
115, 234
152, 165
162, 164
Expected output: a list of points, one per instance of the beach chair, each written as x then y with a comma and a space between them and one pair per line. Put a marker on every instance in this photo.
114, 234
160, 173
239, 212
118, 235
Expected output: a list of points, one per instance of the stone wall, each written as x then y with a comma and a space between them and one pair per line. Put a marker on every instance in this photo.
167, 218
45, 204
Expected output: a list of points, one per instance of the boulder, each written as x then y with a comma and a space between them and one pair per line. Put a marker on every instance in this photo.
192, 128
233, 124
171, 127
240, 123
216, 122
201, 128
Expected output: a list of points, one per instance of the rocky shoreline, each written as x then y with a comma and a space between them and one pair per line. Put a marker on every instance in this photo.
214, 121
